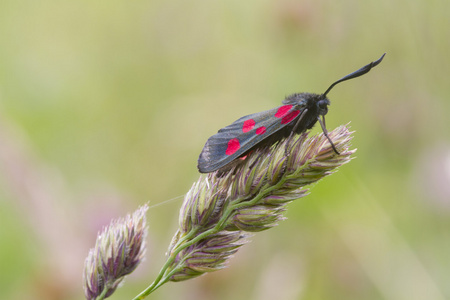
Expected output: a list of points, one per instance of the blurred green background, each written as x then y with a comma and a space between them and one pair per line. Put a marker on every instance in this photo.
105, 105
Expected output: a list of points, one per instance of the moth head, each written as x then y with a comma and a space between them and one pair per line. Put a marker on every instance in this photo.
322, 106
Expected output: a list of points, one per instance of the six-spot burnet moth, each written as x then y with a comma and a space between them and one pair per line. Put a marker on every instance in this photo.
298, 113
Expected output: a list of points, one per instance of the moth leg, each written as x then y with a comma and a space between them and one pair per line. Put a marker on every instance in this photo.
325, 132
291, 135
288, 140
299, 119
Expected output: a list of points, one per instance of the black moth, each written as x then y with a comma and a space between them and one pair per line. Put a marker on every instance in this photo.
298, 113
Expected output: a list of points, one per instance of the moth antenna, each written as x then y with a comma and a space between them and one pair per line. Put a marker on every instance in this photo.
357, 73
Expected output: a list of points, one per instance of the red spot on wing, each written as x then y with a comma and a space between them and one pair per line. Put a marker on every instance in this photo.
233, 146
282, 111
248, 125
245, 156
290, 116
260, 130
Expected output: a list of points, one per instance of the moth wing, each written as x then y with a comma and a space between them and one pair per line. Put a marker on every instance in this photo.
232, 141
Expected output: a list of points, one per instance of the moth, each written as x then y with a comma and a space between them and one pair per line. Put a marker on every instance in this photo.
298, 113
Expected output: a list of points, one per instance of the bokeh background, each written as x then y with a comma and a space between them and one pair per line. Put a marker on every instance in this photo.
105, 105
